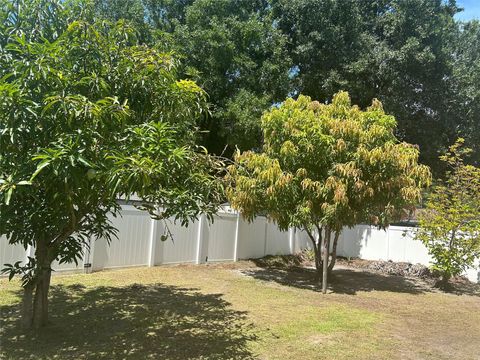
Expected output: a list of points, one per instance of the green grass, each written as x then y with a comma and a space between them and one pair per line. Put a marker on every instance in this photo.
239, 311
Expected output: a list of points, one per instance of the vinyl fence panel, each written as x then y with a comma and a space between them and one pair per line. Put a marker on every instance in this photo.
228, 238
56, 266
277, 242
251, 238
131, 247
414, 251
182, 247
221, 238
301, 240
9, 254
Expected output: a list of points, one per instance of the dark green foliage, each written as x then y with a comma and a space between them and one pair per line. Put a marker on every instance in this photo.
412, 55
87, 114
242, 64
466, 85
231, 47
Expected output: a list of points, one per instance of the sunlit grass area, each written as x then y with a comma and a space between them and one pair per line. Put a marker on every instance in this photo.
240, 311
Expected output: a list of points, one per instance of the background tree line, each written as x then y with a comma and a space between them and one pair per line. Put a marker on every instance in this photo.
410, 54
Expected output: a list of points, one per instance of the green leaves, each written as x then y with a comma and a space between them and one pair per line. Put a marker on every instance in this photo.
87, 115
8, 195
241, 61
333, 165
44, 163
8, 185
25, 270
450, 225
411, 55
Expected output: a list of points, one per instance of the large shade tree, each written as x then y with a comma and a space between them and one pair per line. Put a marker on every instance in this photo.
395, 50
324, 167
411, 55
465, 104
242, 63
88, 115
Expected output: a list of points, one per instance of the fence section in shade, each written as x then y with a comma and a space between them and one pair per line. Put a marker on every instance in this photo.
228, 238
9, 254
181, 247
141, 242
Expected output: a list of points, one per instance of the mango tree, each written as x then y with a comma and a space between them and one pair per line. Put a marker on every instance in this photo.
324, 167
88, 115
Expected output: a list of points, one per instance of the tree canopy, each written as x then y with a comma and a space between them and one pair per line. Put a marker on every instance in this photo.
465, 101
396, 51
249, 55
87, 115
324, 167
241, 62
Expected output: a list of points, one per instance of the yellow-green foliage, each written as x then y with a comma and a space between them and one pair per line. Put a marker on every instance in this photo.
334, 165
450, 225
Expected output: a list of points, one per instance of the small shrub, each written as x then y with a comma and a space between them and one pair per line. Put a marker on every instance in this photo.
450, 225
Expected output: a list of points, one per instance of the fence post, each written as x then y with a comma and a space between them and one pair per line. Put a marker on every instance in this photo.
88, 256
265, 237
388, 244
154, 227
30, 252
200, 235
237, 230
291, 240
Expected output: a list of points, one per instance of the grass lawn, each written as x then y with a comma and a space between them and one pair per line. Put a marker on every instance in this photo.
240, 311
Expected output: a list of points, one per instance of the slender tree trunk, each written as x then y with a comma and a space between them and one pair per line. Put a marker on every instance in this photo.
334, 253
317, 250
326, 244
40, 303
318, 263
319, 254
42, 285
443, 283
27, 306
318, 260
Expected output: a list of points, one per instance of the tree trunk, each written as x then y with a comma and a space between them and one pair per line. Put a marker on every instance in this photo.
27, 306
40, 303
334, 253
318, 263
326, 244
317, 250
39, 311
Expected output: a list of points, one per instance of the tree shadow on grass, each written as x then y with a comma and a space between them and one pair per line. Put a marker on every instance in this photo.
342, 281
135, 322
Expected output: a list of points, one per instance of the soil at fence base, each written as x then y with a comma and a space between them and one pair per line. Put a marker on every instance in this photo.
405, 269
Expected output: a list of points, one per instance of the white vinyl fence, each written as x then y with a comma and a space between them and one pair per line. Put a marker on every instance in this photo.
229, 238
396, 243
139, 242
